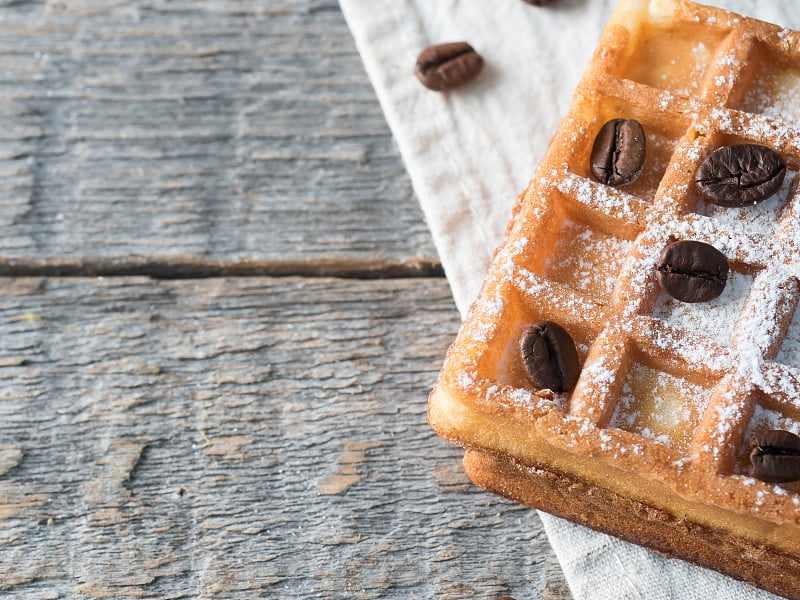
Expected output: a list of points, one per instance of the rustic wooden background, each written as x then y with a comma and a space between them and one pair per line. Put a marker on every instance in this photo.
220, 315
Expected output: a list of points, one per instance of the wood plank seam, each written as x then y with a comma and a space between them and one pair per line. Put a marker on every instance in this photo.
196, 268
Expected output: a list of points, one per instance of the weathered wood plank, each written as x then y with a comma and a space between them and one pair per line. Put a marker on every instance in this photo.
241, 438
196, 134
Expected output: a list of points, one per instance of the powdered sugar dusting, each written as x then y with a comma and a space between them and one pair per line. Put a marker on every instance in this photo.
466, 379
584, 259
761, 217
734, 239
597, 196
659, 152
533, 284
789, 353
527, 400
781, 383
600, 374
764, 419
729, 414
483, 330
761, 324
774, 93
714, 319
689, 349
727, 60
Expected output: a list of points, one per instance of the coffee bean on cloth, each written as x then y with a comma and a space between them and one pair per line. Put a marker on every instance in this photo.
447, 66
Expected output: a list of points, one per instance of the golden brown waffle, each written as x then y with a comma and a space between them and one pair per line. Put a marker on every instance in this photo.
669, 393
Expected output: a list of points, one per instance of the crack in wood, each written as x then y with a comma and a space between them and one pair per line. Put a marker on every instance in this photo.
196, 268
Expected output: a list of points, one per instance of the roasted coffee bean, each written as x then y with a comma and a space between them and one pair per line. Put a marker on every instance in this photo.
447, 66
740, 175
692, 271
775, 456
618, 152
550, 356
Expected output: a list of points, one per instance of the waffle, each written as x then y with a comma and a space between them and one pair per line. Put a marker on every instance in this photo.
651, 444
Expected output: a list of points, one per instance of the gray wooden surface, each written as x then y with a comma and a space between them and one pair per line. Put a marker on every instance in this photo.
237, 408
201, 134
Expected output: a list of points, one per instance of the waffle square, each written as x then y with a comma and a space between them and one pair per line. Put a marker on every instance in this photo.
656, 429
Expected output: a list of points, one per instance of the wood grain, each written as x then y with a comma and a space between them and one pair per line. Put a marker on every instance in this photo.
246, 437
201, 137
241, 438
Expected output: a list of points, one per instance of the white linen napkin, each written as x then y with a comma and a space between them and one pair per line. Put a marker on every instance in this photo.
471, 151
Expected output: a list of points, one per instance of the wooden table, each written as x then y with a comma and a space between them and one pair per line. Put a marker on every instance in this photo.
221, 314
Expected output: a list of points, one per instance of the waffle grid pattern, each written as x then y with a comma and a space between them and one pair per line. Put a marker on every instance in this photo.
614, 324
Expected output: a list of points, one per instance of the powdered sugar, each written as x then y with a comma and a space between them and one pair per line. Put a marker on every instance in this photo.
527, 400
765, 418
466, 380
774, 93
728, 415
714, 319
600, 374
584, 259
789, 352
483, 330
761, 325
595, 195
761, 217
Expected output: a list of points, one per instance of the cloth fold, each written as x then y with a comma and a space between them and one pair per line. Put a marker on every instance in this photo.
471, 151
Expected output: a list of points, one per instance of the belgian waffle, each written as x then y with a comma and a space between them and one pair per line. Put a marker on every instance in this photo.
656, 429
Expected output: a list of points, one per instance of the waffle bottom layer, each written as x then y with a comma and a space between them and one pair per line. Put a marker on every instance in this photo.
633, 521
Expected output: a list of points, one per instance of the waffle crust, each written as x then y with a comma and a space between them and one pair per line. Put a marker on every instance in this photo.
669, 393
659, 530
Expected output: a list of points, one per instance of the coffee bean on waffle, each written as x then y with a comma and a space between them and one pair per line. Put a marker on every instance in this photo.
550, 357
692, 271
741, 175
618, 152
775, 456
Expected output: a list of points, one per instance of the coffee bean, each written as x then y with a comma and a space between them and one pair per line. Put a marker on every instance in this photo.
775, 456
537, 2
692, 271
550, 356
447, 66
740, 175
618, 152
